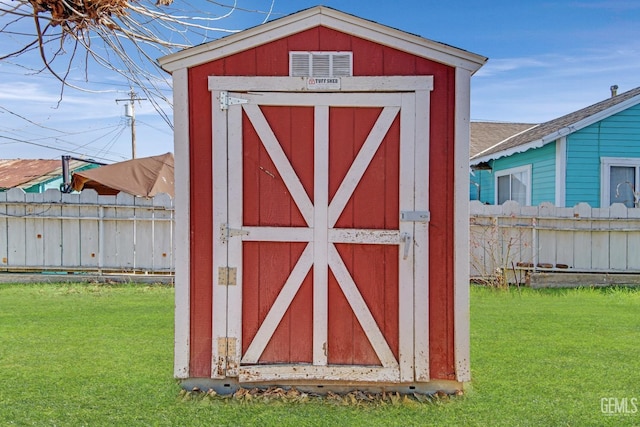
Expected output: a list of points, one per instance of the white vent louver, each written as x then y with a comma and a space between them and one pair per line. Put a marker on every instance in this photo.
320, 64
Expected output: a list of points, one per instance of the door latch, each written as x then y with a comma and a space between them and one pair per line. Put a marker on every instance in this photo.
415, 216
406, 239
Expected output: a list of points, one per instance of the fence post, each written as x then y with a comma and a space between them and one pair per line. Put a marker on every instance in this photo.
100, 238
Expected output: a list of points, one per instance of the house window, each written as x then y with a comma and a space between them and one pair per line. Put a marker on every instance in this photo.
620, 181
514, 184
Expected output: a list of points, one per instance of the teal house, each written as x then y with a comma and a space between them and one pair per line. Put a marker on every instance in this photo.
591, 155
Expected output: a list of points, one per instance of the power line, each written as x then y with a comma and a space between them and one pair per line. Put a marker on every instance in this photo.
154, 127
112, 141
59, 138
16, 140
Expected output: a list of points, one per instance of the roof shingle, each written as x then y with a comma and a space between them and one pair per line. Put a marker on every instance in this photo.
487, 134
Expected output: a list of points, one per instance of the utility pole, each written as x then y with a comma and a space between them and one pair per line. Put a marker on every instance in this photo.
129, 111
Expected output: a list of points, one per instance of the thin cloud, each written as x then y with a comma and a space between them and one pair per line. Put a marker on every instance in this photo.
543, 87
593, 61
615, 5
22, 91
508, 65
37, 100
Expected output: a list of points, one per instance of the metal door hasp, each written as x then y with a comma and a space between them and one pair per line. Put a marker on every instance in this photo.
415, 216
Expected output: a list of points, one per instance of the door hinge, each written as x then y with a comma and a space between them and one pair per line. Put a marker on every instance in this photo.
227, 276
227, 355
226, 346
415, 216
226, 100
226, 232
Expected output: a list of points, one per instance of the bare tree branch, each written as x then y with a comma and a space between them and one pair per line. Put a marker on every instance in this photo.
123, 36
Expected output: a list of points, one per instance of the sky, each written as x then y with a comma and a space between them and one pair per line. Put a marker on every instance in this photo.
546, 59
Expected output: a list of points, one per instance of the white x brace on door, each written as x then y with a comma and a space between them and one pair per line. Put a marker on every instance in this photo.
406, 98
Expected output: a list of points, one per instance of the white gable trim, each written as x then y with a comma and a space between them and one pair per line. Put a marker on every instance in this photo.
475, 160
506, 153
330, 18
567, 130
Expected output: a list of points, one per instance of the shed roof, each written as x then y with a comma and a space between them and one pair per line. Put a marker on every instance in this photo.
25, 173
330, 18
545, 133
488, 134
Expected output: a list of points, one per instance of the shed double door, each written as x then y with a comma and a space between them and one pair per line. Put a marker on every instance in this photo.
320, 208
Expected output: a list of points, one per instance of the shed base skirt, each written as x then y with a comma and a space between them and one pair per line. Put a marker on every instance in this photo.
231, 385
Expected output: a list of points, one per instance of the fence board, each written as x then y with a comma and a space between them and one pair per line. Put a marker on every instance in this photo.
600, 249
71, 230
109, 233
52, 228
125, 232
163, 233
33, 231
618, 239
633, 240
144, 241
16, 227
89, 211
545, 243
3, 230
582, 239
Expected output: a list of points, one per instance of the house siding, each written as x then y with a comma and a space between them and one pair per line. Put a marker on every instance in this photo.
615, 136
543, 174
481, 186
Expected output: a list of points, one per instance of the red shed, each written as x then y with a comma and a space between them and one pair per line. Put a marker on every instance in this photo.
322, 207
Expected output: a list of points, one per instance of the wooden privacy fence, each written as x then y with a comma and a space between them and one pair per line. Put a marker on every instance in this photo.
85, 232
548, 238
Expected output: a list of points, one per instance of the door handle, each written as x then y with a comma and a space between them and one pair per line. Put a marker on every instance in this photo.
406, 239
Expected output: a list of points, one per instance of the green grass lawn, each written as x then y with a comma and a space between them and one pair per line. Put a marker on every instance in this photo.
97, 355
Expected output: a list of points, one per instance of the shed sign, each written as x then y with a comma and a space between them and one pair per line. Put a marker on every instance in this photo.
323, 83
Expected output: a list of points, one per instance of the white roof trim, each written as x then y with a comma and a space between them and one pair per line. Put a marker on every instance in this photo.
326, 17
567, 130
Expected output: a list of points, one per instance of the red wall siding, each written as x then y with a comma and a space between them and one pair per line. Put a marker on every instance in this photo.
370, 59
201, 222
